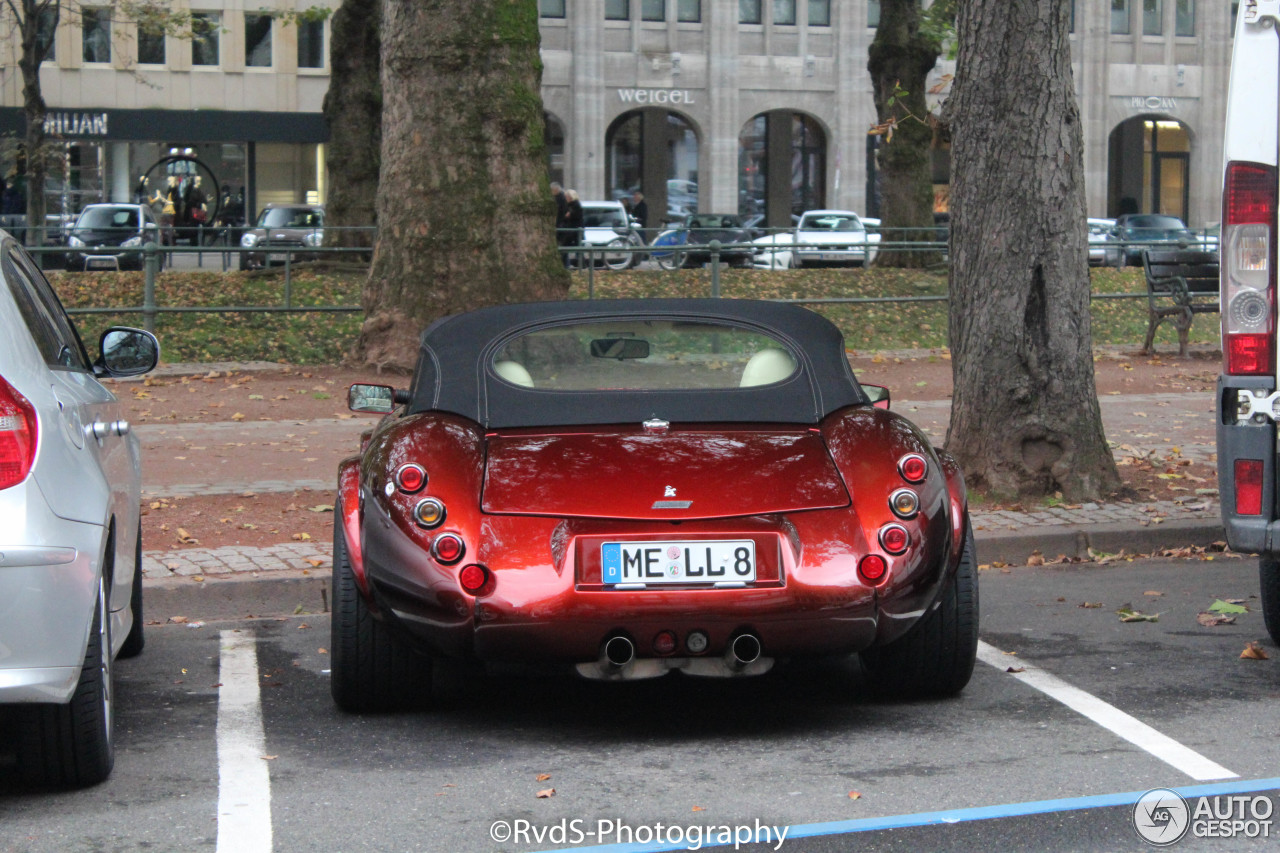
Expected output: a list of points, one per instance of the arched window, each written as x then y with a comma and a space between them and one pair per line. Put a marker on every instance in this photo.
1149, 168
782, 166
553, 134
654, 151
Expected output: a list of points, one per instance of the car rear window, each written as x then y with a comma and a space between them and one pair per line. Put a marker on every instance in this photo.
643, 355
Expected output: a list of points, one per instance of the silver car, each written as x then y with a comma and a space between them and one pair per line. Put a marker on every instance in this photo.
70, 542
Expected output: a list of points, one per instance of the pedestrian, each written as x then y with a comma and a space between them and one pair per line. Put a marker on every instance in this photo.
640, 210
562, 205
572, 231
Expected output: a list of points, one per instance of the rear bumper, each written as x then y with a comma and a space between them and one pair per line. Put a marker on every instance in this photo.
1245, 440
538, 612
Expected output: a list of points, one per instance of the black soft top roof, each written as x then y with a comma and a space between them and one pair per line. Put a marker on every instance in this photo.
455, 368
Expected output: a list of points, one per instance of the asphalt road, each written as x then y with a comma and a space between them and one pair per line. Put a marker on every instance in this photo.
1013, 764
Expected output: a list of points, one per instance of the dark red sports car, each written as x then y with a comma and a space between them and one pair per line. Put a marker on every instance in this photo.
630, 487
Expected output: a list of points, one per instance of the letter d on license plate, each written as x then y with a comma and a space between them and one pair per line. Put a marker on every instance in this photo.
720, 561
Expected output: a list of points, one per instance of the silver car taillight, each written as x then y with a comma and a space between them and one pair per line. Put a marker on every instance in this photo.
18, 431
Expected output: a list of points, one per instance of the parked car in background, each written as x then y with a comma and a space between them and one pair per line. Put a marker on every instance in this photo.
699, 229
822, 237
71, 575
1143, 231
111, 237
630, 487
280, 232
1104, 247
606, 224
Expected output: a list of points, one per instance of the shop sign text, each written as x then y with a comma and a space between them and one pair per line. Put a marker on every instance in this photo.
655, 96
75, 124
1153, 102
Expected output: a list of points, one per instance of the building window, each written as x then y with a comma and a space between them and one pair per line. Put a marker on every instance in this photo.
1186, 18
653, 10
45, 42
150, 45
206, 29
551, 8
95, 27
257, 40
617, 10
819, 13
873, 13
311, 44
749, 12
1120, 17
784, 12
689, 11
1152, 17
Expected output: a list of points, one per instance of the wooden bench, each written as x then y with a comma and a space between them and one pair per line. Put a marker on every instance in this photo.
1186, 277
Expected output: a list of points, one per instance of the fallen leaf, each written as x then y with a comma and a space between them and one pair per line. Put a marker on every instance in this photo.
238, 416
1253, 651
321, 508
1153, 593
1016, 669
322, 651
178, 620
546, 793
855, 795
1036, 559
316, 563
1221, 606
1128, 614
1090, 605
542, 777
269, 757
1212, 620
302, 537
699, 809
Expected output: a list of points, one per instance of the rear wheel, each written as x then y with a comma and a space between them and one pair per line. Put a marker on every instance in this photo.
371, 669
672, 260
1269, 575
616, 260
71, 745
135, 641
934, 658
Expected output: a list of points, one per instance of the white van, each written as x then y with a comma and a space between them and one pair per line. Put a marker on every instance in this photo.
1248, 400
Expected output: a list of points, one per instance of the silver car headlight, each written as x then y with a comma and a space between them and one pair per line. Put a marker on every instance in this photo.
249, 240
314, 239
132, 242
73, 240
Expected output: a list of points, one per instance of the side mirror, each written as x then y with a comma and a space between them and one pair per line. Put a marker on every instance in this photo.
878, 394
126, 352
377, 399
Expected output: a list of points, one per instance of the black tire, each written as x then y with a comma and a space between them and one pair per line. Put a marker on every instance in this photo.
71, 745
371, 669
936, 657
673, 260
134, 643
1269, 575
618, 261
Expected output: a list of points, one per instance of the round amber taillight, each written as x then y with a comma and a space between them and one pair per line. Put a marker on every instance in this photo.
448, 548
894, 538
473, 578
904, 503
429, 513
913, 467
411, 478
873, 569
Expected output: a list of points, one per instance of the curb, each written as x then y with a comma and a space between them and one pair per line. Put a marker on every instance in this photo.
246, 595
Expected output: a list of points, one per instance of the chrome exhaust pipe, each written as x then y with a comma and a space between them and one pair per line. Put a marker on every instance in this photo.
745, 649
618, 652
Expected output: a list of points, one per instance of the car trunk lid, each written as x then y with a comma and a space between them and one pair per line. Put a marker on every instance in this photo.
677, 475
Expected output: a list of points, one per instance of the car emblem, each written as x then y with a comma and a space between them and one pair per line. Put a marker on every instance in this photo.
656, 426
669, 492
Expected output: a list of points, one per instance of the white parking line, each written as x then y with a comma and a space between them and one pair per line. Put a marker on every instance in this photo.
244, 783
1108, 716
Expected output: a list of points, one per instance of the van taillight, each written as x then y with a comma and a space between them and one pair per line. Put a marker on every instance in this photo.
1248, 486
17, 436
1247, 255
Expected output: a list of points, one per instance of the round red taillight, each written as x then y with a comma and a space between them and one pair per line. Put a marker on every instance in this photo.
411, 478
873, 569
913, 468
664, 643
894, 538
448, 548
473, 578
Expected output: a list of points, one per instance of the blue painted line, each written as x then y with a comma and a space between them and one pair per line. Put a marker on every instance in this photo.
872, 824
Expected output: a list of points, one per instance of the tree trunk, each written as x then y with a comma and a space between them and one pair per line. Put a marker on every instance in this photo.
465, 216
900, 59
1024, 417
353, 110
34, 109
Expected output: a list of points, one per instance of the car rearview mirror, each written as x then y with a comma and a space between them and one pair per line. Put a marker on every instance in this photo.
619, 348
378, 399
878, 394
127, 352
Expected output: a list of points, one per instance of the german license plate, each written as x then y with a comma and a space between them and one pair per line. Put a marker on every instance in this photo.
720, 561
833, 256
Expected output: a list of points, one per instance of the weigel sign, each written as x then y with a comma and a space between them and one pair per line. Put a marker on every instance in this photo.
655, 96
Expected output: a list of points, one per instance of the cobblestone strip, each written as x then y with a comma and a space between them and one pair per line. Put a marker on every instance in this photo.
1140, 514
192, 490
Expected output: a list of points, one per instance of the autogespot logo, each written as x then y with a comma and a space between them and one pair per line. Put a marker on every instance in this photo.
1161, 817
